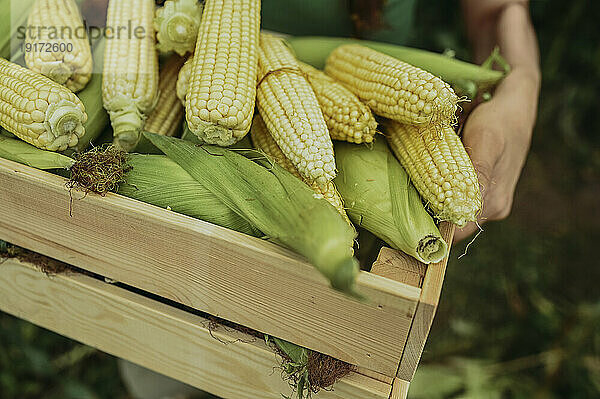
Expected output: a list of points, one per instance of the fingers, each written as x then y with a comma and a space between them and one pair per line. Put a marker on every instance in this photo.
484, 144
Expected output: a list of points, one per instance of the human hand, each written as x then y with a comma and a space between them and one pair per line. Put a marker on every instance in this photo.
497, 135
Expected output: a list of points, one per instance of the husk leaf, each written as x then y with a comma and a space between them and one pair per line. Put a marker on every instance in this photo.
379, 197
275, 202
19, 151
157, 180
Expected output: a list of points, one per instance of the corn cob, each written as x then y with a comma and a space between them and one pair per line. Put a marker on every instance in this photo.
381, 199
291, 112
393, 88
39, 110
465, 78
262, 140
130, 82
183, 80
166, 118
347, 118
176, 25
70, 67
220, 99
440, 169
91, 97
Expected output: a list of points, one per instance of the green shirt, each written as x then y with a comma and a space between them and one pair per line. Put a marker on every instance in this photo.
332, 18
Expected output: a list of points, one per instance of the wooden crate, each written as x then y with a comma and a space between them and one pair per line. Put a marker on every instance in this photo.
212, 269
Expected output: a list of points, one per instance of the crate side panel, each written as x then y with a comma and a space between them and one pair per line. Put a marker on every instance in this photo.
221, 272
155, 335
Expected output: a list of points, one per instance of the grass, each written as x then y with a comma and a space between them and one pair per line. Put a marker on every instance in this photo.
519, 314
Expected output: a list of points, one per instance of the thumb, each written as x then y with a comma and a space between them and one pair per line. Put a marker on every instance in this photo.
485, 147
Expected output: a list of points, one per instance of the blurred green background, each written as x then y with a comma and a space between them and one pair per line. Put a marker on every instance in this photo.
520, 313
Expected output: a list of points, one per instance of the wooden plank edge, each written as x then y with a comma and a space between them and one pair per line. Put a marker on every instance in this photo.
375, 375
426, 308
138, 319
399, 389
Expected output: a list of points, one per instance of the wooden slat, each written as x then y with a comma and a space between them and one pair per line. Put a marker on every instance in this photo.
375, 375
399, 389
430, 295
157, 336
219, 271
398, 266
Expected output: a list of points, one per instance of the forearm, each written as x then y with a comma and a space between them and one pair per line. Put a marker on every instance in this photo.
498, 132
504, 23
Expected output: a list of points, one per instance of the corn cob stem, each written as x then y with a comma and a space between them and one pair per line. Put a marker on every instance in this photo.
291, 112
39, 110
176, 25
440, 169
72, 68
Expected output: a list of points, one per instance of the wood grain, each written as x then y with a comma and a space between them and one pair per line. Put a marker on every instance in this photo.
375, 375
398, 266
399, 389
207, 267
157, 336
430, 296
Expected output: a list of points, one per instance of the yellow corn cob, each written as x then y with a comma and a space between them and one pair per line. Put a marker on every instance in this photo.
176, 25
440, 169
291, 112
69, 61
393, 88
347, 118
222, 92
166, 117
39, 110
130, 81
183, 80
262, 140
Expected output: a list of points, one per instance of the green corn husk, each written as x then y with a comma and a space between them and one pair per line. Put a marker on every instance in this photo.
467, 78
274, 201
297, 365
19, 151
187, 134
159, 181
13, 15
144, 146
379, 197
